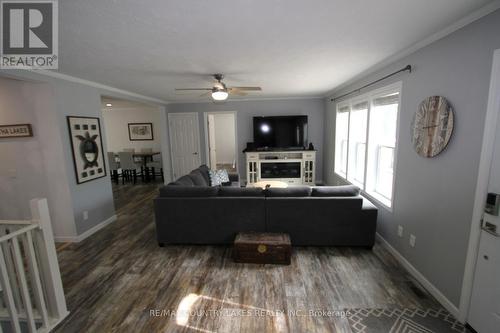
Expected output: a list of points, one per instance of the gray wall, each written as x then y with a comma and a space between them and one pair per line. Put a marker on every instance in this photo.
22, 176
434, 196
67, 200
246, 110
33, 167
96, 196
225, 136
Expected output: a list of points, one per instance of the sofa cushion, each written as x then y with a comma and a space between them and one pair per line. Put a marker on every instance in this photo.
335, 191
292, 191
183, 181
227, 191
197, 178
218, 177
204, 172
188, 191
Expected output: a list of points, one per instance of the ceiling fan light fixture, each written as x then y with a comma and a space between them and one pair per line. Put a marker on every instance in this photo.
219, 95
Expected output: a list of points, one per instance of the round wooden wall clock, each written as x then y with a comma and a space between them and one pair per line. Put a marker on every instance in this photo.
432, 126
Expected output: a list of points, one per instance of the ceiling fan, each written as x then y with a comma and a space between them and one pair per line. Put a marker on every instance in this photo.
220, 91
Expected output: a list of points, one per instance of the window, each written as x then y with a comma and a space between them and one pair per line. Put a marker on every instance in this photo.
366, 130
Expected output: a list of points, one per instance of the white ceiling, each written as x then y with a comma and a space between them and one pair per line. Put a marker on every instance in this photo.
288, 47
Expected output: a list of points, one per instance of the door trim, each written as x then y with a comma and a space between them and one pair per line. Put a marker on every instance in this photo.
170, 137
490, 124
205, 126
165, 146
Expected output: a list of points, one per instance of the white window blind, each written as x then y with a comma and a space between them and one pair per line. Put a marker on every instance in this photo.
341, 137
357, 143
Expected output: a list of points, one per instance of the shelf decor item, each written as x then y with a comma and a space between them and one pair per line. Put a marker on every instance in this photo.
432, 126
86, 144
140, 131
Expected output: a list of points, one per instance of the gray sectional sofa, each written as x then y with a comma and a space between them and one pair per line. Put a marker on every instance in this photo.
190, 211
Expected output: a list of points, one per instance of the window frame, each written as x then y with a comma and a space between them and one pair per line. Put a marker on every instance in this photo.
370, 96
378, 172
357, 100
344, 144
337, 110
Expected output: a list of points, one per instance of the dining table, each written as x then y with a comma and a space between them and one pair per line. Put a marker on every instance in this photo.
145, 156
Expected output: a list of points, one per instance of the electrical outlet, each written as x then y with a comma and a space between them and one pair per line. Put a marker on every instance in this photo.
85, 215
413, 239
400, 230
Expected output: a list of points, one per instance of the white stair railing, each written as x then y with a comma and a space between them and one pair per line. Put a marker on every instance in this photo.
32, 295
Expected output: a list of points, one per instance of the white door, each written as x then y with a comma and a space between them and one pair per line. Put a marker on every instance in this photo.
212, 148
184, 142
484, 311
484, 314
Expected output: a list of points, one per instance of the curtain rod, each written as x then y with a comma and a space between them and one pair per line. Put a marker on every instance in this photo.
407, 68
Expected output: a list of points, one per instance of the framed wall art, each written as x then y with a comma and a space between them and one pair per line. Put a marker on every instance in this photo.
16, 131
86, 144
140, 131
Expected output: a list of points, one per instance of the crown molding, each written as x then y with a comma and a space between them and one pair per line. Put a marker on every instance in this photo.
97, 85
257, 99
464, 21
146, 107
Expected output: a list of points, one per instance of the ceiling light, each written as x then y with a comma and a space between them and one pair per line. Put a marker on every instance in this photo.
109, 104
219, 95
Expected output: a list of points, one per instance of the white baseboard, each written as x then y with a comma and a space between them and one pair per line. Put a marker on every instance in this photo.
79, 238
438, 295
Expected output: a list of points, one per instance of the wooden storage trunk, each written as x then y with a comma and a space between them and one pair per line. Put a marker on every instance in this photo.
262, 248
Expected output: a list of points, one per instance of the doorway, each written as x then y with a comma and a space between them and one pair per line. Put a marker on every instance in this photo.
221, 139
133, 131
480, 302
184, 142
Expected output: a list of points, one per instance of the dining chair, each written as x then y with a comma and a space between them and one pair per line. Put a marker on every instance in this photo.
137, 159
156, 164
146, 158
129, 167
114, 166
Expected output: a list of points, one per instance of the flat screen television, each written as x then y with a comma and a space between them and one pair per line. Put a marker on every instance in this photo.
285, 132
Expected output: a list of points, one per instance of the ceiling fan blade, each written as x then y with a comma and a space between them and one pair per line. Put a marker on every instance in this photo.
205, 94
237, 92
192, 89
247, 88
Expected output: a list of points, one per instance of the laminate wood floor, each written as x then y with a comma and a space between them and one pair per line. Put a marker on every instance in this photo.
119, 280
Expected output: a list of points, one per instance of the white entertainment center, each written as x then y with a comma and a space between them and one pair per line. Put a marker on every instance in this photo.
295, 167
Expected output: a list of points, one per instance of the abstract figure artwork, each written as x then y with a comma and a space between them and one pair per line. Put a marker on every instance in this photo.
86, 144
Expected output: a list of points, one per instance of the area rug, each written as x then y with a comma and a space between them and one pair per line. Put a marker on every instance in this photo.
403, 320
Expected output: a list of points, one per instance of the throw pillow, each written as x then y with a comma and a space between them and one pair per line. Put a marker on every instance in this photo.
217, 177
